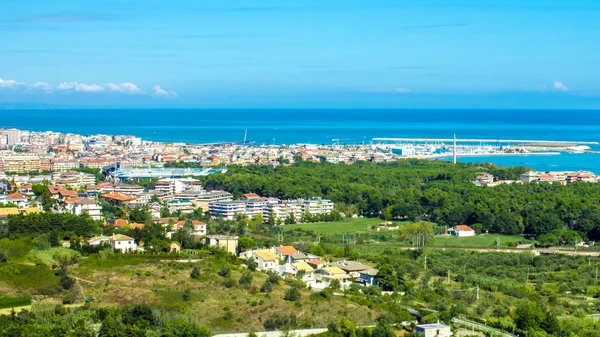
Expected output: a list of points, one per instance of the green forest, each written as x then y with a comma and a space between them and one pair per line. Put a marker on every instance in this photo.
429, 190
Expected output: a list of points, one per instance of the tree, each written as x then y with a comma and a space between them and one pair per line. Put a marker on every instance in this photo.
246, 242
547, 240
335, 285
347, 327
251, 264
528, 315
292, 294
383, 329
387, 277
246, 279
112, 327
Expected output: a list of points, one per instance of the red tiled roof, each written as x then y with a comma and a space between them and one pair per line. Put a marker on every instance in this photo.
120, 222
464, 228
286, 250
15, 196
118, 196
315, 262
63, 192
72, 200
136, 225
194, 222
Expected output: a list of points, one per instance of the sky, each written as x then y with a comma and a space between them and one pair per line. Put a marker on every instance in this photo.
300, 54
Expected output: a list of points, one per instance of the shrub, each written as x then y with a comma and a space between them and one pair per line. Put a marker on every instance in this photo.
195, 274
246, 279
292, 294
225, 272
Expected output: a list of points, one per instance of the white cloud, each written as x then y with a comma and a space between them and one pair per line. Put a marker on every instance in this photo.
158, 91
10, 84
82, 87
126, 87
41, 86
559, 86
74, 86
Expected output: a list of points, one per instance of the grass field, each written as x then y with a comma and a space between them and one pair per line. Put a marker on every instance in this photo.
357, 225
483, 241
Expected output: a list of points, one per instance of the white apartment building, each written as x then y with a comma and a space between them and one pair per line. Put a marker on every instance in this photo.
317, 206
282, 210
64, 165
184, 206
254, 207
88, 206
227, 209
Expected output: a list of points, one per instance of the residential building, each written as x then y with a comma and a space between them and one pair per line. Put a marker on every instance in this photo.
433, 330
282, 210
227, 210
229, 243
199, 227
88, 206
266, 260
285, 252
117, 199
21, 163
317, 206
351, 268
461, 231
123, 243
183, 206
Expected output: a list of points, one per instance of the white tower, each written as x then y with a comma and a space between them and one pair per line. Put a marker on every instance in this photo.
454, 151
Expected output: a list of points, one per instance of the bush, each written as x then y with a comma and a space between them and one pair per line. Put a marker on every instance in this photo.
246, 279
225, 271
195, 274
280, 322
292, 294
267, 287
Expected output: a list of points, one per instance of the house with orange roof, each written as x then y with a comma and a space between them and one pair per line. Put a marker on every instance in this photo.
284, 251
117, 199
461, 231
136, 225
251, 196
199, 227
64, 193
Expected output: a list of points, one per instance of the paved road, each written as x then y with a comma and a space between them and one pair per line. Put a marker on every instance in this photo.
297, 333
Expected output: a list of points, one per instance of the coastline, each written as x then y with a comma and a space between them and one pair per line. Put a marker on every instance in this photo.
442, 156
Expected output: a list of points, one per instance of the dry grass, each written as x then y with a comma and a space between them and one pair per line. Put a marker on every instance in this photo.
163, 284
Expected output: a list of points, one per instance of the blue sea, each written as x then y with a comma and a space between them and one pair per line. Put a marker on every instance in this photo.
285, 126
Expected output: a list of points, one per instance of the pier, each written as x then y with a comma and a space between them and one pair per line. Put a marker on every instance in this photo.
518, 141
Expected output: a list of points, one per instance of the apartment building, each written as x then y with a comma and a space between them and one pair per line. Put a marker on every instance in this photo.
64, 165
282, 210
317, 206
21, 164
88, 206
227, 209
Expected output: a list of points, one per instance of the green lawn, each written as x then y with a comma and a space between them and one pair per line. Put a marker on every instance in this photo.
338, 227
484, 241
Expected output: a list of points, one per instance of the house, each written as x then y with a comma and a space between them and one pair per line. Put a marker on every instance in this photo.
461, 231
229, 243
17, 199
305, 268
484, 178
199, 227
123, 243
316, 263
351, 268
328, 274
368, 277
266, 260
299, 257
117, 199
251, 196
98, 240
175, 247
284, 251
433, 330
88, 206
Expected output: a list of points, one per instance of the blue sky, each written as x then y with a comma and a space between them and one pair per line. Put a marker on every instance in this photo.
309, 53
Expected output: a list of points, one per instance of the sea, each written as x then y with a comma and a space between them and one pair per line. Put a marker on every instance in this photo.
315, 126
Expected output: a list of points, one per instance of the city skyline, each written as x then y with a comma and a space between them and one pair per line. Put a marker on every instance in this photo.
430, 54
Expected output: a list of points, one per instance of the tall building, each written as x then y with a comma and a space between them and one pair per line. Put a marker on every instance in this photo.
13, 136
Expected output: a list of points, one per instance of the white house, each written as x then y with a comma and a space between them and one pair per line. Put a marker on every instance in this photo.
88, 206
461, 231
304, 267
433, 330
266, 260
123, 243
98, 240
